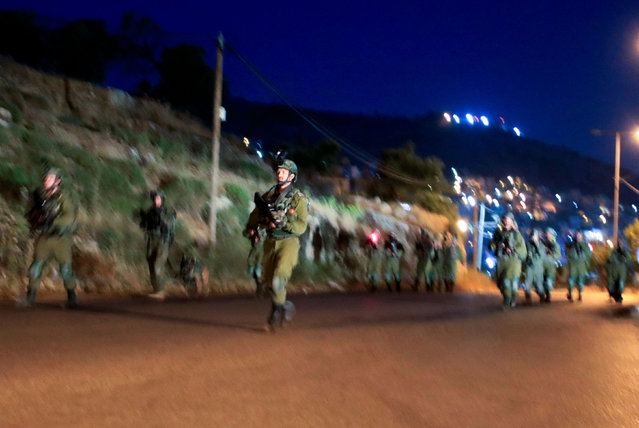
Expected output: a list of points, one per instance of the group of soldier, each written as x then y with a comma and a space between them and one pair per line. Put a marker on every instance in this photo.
274, 228
536, 261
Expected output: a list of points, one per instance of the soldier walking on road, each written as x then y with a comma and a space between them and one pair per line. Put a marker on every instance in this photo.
534, 268
617, 269
510, 249
578, 254
375, 255
158, 223
52, 217
394, 250
282, 211
450, 254
552, 255
425, 255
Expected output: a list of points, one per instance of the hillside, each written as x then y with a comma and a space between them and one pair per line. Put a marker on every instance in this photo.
114, 149
478, 150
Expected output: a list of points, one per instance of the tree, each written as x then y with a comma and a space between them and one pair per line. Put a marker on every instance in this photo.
21, 38
407, 177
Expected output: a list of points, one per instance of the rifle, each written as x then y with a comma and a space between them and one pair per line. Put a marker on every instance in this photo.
264, 208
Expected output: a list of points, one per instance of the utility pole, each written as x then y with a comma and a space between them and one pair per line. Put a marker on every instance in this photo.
215, 167
615, 225
480, 238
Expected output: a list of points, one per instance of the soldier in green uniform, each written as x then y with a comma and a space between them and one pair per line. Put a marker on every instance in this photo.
425, 254
375, 255
393, 250
52, 217
255, 256
534, 267
282, 211
551, 257
193, 275
510, 249
617, 269
438, 264
158, 223
578, 254
450, 254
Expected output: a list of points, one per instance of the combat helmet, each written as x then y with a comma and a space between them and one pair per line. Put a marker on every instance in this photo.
290, 166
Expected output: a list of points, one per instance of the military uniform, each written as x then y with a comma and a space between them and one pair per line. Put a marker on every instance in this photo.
450, 254
551, 257
288, 208
578, 254
617, 269
393, 250
193, 275
53, 219
438, 266
534, 269
158, 223
375, 255
510, 249
425, 252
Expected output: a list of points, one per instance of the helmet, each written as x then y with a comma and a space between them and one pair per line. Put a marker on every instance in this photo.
159, 193
51, 171
290, 166
551, 231
508, 215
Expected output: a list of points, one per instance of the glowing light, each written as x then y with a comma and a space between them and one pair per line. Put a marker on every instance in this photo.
517, 131
575, 205
484, 120
523, 204
602, 218
610, 244
259, 154
462, 225
454, 171
502, 120
470, 119
374, 237
246, 141
497, 192
522, 197
511, 180
634, 207
491, 262
530, 215
405, 205
496, 203
502, 183
456, 119
509, 194
489, 199
465, 200
447, 117
471, 201
558, 196
594, 235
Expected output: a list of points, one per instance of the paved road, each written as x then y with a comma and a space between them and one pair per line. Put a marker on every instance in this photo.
349, 360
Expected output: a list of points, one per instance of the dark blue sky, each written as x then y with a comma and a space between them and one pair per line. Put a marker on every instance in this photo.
554, 68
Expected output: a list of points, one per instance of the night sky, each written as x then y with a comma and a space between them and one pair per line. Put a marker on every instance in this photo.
554, 68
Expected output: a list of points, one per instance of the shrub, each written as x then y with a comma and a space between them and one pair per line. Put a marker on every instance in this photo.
239, 196
13, 178
185, 192
251, 170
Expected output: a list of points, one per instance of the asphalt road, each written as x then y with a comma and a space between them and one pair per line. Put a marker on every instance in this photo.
347, 361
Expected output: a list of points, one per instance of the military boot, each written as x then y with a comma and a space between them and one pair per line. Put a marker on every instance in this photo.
528, 299
579, 298
259, 289
389, 286
274, 318
398, 287
415, 286
72, 299
542, 299
288, 312
548, 297
27, 300
569, 295
506, 303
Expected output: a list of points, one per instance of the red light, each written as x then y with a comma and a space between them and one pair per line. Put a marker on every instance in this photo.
374, 237
502, 120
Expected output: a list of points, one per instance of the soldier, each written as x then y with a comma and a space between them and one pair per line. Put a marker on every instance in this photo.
534, 267
255, 256
425, 255
578, 254
317, 245
617, 269
193, 275
510, 249
438, 265
394, 250
158, 223
552, 255
450, 254
52, 217
375, 255
282, 211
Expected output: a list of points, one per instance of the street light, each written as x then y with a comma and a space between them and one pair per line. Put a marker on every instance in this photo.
599, 132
